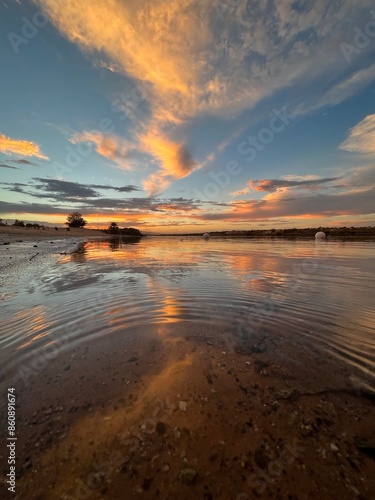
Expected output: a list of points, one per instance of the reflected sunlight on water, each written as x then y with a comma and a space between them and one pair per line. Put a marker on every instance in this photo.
320, 292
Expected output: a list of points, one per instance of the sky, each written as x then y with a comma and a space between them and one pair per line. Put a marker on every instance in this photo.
188, 115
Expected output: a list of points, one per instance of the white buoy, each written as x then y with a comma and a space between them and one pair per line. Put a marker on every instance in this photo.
206, 236
320, 235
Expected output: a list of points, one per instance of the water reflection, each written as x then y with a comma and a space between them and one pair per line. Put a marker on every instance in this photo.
116, 242
320, 292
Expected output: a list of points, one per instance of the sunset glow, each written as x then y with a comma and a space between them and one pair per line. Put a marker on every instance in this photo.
188, 116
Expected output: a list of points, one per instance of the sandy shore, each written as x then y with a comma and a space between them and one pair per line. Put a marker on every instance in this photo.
25, 252
13, 233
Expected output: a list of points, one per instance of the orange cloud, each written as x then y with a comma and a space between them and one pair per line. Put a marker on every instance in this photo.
110, 146
283, 204
198, 57
156, 42
175, 160
20, 147
240, 192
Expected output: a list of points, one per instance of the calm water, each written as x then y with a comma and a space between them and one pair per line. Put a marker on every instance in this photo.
322, 293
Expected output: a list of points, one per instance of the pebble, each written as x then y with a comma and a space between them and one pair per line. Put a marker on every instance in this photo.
275, 405
334, 448
355, 490
188, 475
165, 468
182, 405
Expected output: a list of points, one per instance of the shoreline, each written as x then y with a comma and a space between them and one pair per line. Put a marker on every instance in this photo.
24, 254
13, 233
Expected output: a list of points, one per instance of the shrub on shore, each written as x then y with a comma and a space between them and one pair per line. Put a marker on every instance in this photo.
125, 231
19, 223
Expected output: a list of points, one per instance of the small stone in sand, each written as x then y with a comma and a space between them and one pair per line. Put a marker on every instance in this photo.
133, 359
182, 405
188, 476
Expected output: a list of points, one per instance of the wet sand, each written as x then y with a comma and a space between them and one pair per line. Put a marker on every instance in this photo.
12, 233
24, 252
182, 410
158, 416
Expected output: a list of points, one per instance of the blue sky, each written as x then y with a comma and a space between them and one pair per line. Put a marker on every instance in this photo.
188, 115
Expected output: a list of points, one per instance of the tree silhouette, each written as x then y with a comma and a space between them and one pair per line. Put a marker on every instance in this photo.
113, 228
75, 219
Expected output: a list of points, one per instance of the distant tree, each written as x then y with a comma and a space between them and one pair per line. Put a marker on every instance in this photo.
113, 228
75, 219
19, 223
130, 231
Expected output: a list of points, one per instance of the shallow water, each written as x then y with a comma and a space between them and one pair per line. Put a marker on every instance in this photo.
318, 293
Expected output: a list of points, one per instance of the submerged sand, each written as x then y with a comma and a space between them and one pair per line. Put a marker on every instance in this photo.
160, 416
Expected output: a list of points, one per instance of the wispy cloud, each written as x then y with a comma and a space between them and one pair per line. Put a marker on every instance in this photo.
338, 92
207, 58
320, 205
22, 161
3, 165
303, 196
361, 138
21, 147
271, 185
64, 191
109, 146
130, 206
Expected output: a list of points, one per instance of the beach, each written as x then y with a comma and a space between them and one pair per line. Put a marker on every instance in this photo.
157, 394
24, 252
